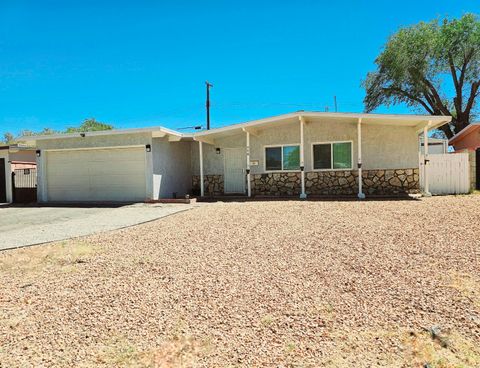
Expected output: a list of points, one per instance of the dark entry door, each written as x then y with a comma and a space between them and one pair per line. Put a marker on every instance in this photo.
3, 182
478, 168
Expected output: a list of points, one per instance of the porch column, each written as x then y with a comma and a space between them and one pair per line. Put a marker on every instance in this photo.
426, 187
249, 185
361, 195
303, 195
202, 192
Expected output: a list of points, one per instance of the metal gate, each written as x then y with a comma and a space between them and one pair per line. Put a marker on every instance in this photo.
3, 182
447, 173
24, 185
234, 170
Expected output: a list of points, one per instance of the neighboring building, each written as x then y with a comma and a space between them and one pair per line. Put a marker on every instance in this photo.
13, 157
435, 146
468, 139
302, 153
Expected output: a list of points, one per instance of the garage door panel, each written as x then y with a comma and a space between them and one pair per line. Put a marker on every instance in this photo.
109, 155
96, 175
101, 169
109, 181
68, 181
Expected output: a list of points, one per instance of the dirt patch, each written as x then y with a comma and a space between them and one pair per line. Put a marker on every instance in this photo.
307, 284
49, 256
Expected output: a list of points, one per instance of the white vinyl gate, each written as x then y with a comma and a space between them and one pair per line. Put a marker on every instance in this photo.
447, 173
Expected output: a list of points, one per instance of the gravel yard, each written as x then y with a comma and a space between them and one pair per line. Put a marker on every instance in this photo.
300, 284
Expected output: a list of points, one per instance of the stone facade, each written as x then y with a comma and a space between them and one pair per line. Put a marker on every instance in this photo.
213, 185
337, 182
380, 182
276, 184
472, 159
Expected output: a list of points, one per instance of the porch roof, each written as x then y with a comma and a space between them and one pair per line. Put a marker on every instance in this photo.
417, 121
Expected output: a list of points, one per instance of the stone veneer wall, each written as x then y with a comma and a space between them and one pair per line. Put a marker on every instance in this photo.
400, 181
213, 184
472, 158
337, 182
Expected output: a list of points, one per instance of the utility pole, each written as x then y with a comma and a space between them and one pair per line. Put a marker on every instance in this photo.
208, 103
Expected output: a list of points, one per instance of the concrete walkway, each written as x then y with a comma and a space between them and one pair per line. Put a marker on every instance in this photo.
22, 226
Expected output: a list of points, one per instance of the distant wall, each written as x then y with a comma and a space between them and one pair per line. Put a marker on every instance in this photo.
23, 156
171, 168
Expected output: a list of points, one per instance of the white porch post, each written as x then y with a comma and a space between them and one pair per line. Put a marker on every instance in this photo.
426, 187
303, 195
249, 185
202, 191
361, 195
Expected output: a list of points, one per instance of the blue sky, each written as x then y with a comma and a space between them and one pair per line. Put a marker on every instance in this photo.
144, 63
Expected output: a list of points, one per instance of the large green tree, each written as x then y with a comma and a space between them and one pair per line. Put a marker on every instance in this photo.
434, 67
90, 125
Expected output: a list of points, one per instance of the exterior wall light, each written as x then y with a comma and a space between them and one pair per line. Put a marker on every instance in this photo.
38, 153
217, 150
148, 148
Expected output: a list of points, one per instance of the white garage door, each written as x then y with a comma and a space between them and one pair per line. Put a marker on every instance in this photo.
96, 175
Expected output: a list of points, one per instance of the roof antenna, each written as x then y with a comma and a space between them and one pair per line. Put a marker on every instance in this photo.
196, 127
208, 103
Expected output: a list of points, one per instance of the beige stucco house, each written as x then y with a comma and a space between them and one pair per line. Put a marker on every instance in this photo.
298, 154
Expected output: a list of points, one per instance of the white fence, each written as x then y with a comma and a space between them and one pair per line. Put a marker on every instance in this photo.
447, 173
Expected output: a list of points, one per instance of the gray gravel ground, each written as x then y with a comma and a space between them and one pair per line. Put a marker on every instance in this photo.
21, 226
299, 284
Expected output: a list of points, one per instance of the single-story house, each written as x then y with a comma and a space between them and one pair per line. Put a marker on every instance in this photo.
13, 157
301, 153
468, 139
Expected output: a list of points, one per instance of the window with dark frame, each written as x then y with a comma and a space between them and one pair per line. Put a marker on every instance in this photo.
273, 158
332, 156
282, 158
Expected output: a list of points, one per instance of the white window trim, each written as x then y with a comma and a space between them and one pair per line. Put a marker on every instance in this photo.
331, 155
280, 146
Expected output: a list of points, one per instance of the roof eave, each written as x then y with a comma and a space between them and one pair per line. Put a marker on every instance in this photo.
432, 122
152, 130
464, 132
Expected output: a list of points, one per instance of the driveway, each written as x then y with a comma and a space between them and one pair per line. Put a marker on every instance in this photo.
22, 226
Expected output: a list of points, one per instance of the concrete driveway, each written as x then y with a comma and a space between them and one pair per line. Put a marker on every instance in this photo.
22, 226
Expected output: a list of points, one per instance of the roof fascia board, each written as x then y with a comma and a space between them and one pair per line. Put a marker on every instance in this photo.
165, 131
463, 132
436, 121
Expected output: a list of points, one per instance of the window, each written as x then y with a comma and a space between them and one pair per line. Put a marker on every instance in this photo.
282, 158
335, 155
273, 158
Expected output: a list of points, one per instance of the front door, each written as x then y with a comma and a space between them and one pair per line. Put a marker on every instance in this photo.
234, 170
3, 182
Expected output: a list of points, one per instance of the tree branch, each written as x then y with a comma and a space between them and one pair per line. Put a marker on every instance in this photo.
474, 91
436, 97
409, 96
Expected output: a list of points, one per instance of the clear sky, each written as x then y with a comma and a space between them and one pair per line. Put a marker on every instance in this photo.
144, 63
